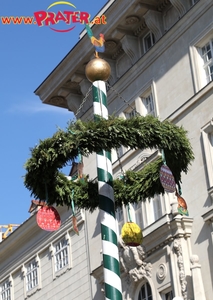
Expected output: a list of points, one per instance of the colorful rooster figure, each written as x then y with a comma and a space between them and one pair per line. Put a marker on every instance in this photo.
98, 43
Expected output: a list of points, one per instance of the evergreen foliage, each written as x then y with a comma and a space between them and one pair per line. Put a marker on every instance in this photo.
43, 168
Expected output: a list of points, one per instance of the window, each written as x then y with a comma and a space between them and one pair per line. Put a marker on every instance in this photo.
149, 108
207, 57
201, 54
138, 214
207, 136
148, 41
145, 292
5, 289
167, 295
61, 254
149, 211
146, 103
131, 112
31, 275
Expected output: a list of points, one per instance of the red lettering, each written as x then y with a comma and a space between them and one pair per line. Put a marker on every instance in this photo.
103, 19
17, 20
50, 19
40, 16
28, 20
68, 15
60, 17
76, 17
84, 17
5, 20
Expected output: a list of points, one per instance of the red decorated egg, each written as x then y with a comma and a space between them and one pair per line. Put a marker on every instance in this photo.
48, 218
167, 179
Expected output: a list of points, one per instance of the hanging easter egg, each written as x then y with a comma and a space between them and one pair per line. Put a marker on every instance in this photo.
48, 218
182, 206
167, 179
131, 234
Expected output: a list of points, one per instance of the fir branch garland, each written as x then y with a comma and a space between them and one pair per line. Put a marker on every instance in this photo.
43, 168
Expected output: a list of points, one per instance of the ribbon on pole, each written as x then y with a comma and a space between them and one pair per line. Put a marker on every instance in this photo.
106, 204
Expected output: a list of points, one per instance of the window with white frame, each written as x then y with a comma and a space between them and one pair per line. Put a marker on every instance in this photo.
61, 254
145, 292
149, 211
148, 41
131, 111
168, 296
201, 54
207, 56
207, 137
31, 275
5, 289
148, 103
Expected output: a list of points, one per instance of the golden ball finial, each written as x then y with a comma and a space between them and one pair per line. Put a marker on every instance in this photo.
97, 69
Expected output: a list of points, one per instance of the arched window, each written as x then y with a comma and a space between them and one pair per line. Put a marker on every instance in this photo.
145, 292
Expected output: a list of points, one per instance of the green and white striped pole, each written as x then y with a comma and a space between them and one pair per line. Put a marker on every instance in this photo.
111, 264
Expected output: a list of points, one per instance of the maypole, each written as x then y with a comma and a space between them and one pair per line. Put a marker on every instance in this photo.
98, 71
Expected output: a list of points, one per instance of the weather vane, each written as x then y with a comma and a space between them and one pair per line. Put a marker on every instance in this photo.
97, 43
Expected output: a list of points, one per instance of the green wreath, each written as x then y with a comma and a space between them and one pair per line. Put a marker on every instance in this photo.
43, 168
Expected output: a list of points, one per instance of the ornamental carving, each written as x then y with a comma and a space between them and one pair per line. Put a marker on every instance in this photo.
110, 45
132, 20
182, 277
132, 262
161, 272
58, 101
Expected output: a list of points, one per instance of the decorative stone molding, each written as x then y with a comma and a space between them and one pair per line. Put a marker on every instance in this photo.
154, 22
130, 47
73, 102
208, 217
132, 262
198, 288
174, 205
163, 5
58, 101
180, 6
110, 45
130, 20
140, 28
77, 77
85, 86
161, 272
63, 92
117, 53
182, 277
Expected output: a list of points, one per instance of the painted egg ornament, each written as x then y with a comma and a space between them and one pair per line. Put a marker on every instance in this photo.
131, 234
48, 218
167, 179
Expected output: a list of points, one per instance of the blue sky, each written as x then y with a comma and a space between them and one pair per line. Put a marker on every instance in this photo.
28, 54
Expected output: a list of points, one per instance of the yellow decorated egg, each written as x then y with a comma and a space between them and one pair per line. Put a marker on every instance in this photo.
131, 234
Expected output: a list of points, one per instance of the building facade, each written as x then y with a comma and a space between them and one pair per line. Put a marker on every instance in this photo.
161, 58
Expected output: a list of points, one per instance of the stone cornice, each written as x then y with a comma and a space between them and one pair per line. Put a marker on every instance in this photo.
165, 230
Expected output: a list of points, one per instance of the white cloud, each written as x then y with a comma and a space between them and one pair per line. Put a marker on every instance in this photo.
34, 107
